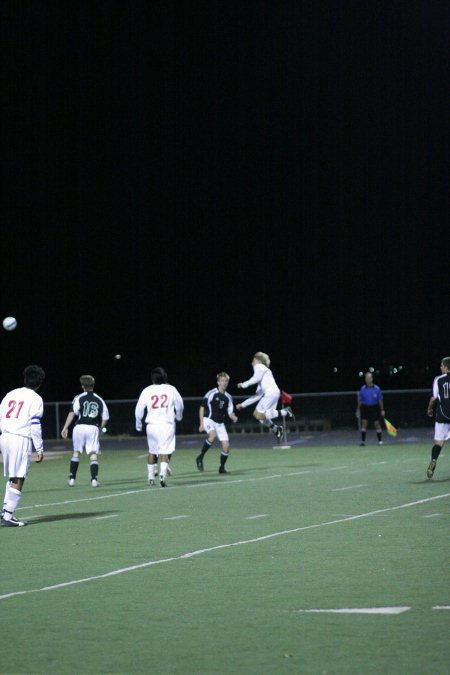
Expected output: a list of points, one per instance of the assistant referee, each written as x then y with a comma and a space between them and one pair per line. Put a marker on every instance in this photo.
370, 408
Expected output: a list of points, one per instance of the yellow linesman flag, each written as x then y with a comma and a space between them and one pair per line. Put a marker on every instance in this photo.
392, 431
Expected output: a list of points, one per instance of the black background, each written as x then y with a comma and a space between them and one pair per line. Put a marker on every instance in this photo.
185, 183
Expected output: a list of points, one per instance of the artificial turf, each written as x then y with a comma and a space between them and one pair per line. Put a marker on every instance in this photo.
213, 574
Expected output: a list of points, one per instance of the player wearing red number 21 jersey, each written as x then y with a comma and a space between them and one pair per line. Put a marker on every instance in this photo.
20, 424
162, 406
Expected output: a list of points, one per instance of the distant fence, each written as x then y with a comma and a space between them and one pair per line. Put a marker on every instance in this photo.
313, 411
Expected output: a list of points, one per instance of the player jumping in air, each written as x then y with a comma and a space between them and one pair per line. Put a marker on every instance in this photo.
439, 407
267, 395
215, 407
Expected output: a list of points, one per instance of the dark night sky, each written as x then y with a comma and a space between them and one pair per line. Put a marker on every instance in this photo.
185, 183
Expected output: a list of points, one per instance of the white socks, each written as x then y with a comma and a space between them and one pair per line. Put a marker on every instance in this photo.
12, 498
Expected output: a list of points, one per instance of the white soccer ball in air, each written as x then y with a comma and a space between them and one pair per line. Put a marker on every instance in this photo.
9, 323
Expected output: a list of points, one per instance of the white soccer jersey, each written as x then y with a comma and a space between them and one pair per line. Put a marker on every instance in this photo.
20, 414
163, 404
263, 377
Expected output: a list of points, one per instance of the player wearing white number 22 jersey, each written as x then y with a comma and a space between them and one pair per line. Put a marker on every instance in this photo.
162, 405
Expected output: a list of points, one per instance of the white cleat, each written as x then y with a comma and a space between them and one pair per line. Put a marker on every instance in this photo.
94, 482
71, 482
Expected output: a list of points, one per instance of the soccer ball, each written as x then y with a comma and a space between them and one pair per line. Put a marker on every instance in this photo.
9, 323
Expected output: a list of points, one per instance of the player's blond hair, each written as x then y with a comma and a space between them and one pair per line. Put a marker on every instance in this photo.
223, 374
264, 358
87, 382
446, 362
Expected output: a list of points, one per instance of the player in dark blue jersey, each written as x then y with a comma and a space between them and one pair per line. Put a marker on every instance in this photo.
92, 414
370, 408
216, 406
439, 408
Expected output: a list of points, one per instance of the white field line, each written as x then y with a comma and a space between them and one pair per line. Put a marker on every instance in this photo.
175, 517
221, 547
376, 463
260, 515
441, 607
112, 515
355, 610
432, 515
350, 487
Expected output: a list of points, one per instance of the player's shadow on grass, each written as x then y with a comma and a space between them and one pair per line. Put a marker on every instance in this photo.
70, 516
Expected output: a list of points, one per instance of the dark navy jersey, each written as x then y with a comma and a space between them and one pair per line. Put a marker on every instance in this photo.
217, 406
441, 391
90, 408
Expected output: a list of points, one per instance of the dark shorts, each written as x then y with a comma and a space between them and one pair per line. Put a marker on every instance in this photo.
371, 413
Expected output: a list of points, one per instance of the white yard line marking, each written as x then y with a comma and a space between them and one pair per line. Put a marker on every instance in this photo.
113, 515
433, 515
221, 547
337, 468
175, 517
356, 610
376, 463
350, 487
441, 607
260, 515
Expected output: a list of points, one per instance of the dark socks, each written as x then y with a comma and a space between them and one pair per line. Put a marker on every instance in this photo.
363, 435
379, 436
223, 459
206, 447
435, 451
94, 469
74, 464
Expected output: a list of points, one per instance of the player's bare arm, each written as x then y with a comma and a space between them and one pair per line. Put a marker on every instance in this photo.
67, 423
431, 404
201, 414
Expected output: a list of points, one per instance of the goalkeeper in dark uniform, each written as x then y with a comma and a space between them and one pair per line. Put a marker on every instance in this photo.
439, 408
216, 406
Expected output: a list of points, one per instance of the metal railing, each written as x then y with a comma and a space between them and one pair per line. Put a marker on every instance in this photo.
314, 410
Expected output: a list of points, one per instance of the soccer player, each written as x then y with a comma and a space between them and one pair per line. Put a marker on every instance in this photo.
439, 407
267, 395
217, 404
21, 411
163, 407
92, 414
370, 408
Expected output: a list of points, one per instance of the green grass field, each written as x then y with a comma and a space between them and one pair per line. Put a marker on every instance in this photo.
219, 574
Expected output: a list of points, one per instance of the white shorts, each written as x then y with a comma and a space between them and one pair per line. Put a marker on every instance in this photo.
161, 438
268, 402
441, 431
85, 438
16, 451
220, 429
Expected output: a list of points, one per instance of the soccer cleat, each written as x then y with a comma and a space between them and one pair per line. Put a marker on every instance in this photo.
289, 412
380, 443
162, 481
71, 482
13, 523
94, 482
151, 481
431, 468
199, 461
222, 469
362, 444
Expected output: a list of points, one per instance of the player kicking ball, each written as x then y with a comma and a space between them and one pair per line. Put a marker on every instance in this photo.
217, 404
267, 394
